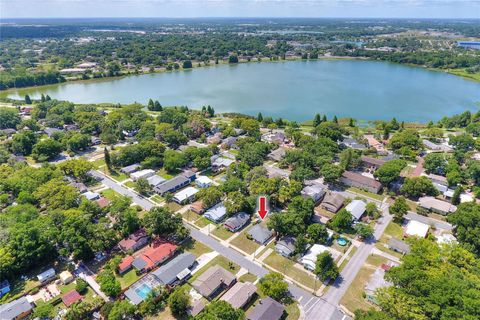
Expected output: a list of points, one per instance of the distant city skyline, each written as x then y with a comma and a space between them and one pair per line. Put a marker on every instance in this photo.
240, 8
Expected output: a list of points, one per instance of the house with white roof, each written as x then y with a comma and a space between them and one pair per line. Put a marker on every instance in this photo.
145, 173
185, 196
91, 195
155, 180
203, 182
309, 260
416, 229
356, 208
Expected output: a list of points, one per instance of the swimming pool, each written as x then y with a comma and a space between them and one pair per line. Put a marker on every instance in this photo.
143, 290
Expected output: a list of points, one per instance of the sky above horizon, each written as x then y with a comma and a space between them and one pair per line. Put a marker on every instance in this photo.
240, 8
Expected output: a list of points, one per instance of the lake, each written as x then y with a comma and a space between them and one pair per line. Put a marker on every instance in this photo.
294, 90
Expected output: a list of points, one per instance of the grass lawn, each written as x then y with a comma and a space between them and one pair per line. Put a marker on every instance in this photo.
18, 289
344, 263
353, 298
203, 222
129, 184
195, 247
248, 277
395, 230
245, 244
378, 197
156, 198
99, 163
109, 194
164, 174
222, 233
218, 260
128, 278
412, 205
173, 206
118, 176
191, 216
324, 212
286, 266
65, 288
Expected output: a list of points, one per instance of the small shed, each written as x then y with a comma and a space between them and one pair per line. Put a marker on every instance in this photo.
66, 277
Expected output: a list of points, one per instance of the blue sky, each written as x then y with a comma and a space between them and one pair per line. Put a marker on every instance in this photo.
241, 8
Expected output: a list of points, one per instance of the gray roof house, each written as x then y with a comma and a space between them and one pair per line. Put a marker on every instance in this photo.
398, 246
357, 180
46, 275
16, 309
237, 221
155, 180
332, 202
216, 213
267, 309
260, 234
51, 131
239, 295
172, 272
171, 185
277, 154
437, 206
130, 169
377, 281
285, 246
356, 208
215, 279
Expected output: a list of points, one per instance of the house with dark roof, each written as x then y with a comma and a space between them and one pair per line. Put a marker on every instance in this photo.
172, 185
237, 221
357, 180
398, 246
332, 202
176, 270
240, 294
267, 309
214, 280
372, 163
154, 256
16, 309
71, 298
285, 246
260, 234
135, 241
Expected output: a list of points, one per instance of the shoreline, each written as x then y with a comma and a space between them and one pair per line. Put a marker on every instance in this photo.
456, 72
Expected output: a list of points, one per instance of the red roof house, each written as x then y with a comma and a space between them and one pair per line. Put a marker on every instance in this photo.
154, 256
71, 297
125, 264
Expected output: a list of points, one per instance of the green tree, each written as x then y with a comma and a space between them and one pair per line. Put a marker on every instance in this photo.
363, 230
143, 187
210, 196
317, 120
233, 58
390, 171
466, 220
187, 64
81, 286
342, 221
259, 117
162, 221
317, 233
27, 99
121, 309
435, 163
179, 302
372, 210
9, 118
418, 186
77, 168
109, 284
174, 160
273, 285
349, 159
326, 267
399, 208
108, 161
331, 172
220, 310
456, 195
45, 150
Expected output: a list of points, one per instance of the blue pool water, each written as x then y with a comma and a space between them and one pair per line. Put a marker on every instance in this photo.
143, 290
342, 241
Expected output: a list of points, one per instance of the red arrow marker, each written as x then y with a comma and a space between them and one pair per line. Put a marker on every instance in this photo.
262, 207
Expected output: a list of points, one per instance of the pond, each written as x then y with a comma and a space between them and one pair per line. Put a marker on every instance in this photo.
294, 90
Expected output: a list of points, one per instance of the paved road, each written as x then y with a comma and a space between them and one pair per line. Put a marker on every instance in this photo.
314, 307
437, 223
